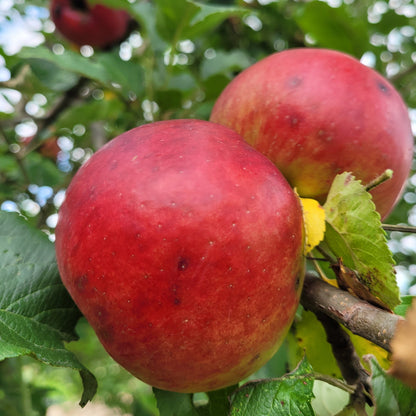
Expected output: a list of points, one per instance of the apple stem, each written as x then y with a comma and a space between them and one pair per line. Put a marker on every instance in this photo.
79, 5
385, 176
312, 258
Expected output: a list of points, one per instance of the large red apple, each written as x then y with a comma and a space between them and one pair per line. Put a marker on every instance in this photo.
82, 24
316, 113
182, 246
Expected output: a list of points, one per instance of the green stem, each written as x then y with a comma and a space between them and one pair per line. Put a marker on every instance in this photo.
17, 401
335, 382
328, 257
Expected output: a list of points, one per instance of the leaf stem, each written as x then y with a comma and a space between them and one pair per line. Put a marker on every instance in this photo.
24, 392
397, 77
17, 400
328, 257
350, 389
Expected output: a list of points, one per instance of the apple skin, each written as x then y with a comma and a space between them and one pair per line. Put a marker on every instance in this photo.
182, 246
316, 113
97, 26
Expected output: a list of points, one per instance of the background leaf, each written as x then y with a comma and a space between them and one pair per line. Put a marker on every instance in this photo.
69, 61
333, 27
392, 397
208, 17
307, 337
174, 404
290, 394
51, 75
406, 303
36, 312
355, 235
187, 19
219, 401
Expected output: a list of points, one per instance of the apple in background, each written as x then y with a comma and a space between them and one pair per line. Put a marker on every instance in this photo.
182, 246
82, 24
316, 113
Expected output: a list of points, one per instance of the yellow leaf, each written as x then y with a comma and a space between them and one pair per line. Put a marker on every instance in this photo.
307, 336
314, 219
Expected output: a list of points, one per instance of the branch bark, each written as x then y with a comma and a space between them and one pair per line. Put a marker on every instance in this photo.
348, 362
361, 318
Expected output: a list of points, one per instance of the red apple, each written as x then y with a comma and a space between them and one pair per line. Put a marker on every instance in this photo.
82, 24
182, 246
316, 113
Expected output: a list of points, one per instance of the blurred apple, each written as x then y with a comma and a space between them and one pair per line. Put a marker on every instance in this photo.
85, 24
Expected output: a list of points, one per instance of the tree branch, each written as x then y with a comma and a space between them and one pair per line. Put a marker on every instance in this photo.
348, 361
70, 96
399, 76
400, 228
19, 161
361, 318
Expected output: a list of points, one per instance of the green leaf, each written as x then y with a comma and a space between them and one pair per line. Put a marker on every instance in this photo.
50, 75
391, 20
43, 171
406, 303
173, 17
354, 234
129, 75
145, 13
113, 4
187, 19
333, 27
392, 397
174, 404
225, 63
290, 394
208, 17
219, 401
106, 68
69, 61
330, 400
36, 312
307, 336
88, 112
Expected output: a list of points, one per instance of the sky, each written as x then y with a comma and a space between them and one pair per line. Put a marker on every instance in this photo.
17, 31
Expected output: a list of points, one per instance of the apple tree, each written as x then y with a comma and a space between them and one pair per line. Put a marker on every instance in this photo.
106, 141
